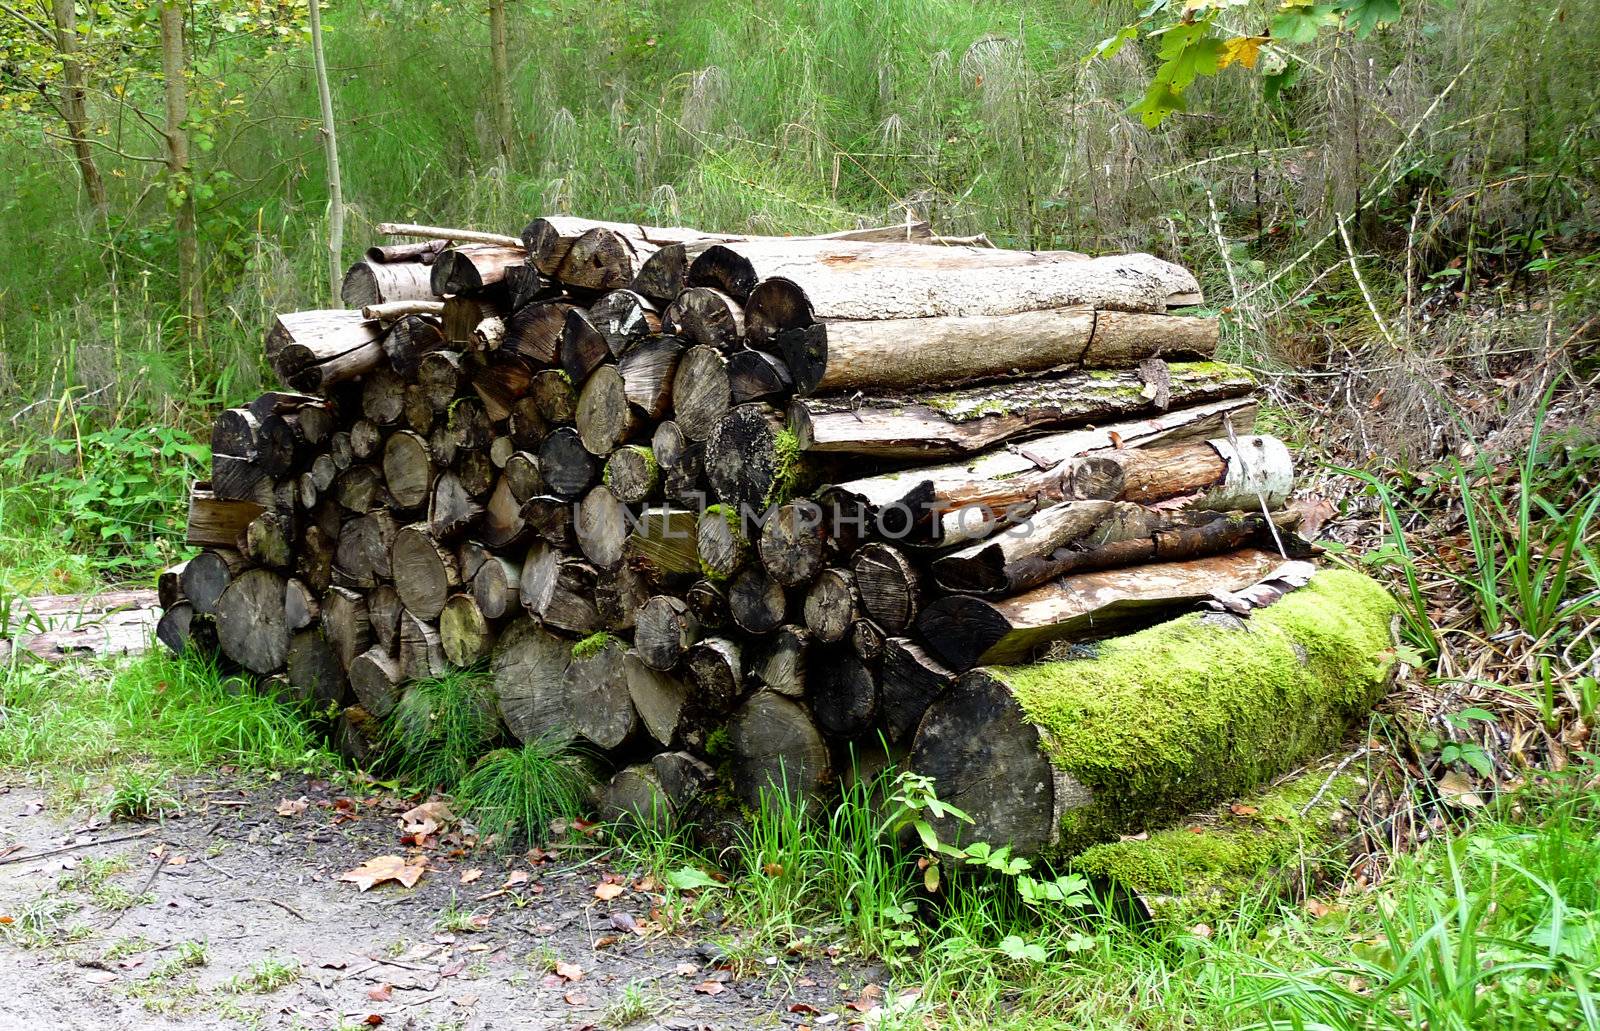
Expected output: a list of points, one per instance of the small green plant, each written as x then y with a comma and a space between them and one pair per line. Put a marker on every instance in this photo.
138, 794
634, 1005
441, 726
266, 975
454, 918
513, 794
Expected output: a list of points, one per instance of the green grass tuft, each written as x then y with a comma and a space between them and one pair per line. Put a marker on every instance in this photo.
138, 794
440, 728
514, 793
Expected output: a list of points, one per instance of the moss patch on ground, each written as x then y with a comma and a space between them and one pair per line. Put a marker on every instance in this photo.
1176, 717
1276, 842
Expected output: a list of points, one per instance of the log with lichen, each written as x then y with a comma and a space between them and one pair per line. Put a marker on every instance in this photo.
1123, 736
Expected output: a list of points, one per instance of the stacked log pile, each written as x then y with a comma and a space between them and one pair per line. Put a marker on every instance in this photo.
718, 507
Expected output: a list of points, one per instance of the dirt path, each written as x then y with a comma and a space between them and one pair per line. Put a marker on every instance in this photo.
232, 914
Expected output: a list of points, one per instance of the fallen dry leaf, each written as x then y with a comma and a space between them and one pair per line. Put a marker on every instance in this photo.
569, 971
1243, 810
686, 969
380, 993
1455, 789
385, 868
773, 869
1201, 930
453, 968
517, 877
607, 892
293, 807
374, 1019
468, 876
710, 988
1318, 909
869, 999
576, 999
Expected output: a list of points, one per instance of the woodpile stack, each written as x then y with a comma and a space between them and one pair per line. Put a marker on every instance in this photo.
722, 507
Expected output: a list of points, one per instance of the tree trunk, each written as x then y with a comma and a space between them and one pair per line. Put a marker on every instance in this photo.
301, 341
500, 79
74, 109
715, 669
496, 586
1172, 718
971, 419
174, 62
965, 631
330, 147
471, 268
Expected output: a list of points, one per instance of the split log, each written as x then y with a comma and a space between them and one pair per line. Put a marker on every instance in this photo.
267, 542
710, 604
663, 793
363, 549
169, 586
831, 606
252, 627
715, 669
682, 464
601, 526
779, 662
597, 693
601, 259
525, 285
776, 747
648, 370
554, 397
632, 474
752, 459
471, 268
811, 280
662, 544
1052, 757
706, 316
529, 668
909, 681
968, 500
792, 543
345, 621
452, 510
758, 376
867, 638
912, 353
217, 522
357, 736
567, 465
381, 282
559, 591
376, 678
701, 394
664, 629
366, 439
843, 694
300, 605
315, 675
720, 542
383, 616
965, 631
888, 586
420, 651
207, 575
605, 419
624, 318
523, 477
440, 375
549, 518
497, 586
660, 698
281, 444
407, 468
971, 419
425, 572
756, 601
534, 332
464, 633
582, 348
182, 629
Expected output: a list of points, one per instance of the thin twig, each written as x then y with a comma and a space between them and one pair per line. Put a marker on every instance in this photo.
138, 894
73, 848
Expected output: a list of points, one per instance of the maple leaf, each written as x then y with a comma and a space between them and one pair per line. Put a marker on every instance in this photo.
1241, 50
385, 868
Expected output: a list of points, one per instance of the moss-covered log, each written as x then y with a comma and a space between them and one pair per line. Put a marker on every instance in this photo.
1055, 756
1280, 841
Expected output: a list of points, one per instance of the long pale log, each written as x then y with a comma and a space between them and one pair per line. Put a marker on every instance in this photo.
891, 354
963, 501
370, 282
1058, 755
393, 311
844, 280
301, 341
956, 422
965, 631
446, 233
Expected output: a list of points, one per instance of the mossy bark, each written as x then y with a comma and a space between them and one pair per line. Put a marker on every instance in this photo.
1278, 842
1056, 756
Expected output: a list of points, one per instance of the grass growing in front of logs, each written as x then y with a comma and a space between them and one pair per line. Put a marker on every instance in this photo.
1494, 925
440, 728
513, 794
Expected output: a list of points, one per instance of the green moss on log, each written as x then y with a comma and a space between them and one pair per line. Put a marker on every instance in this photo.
594, 644
1180, 715
1276, 843
786, 460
